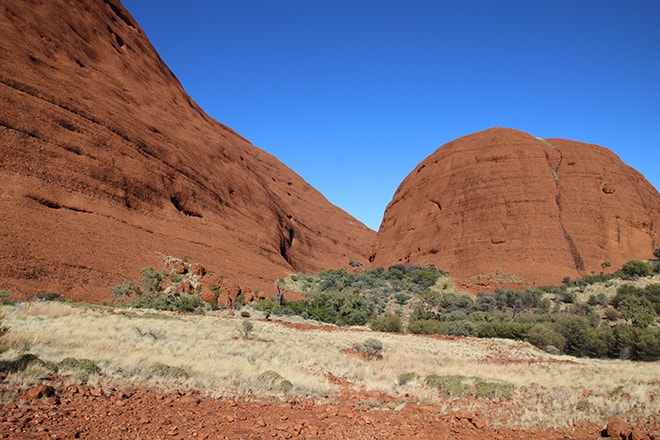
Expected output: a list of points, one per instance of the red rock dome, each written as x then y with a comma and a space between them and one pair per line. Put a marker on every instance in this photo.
105, 162
533, 209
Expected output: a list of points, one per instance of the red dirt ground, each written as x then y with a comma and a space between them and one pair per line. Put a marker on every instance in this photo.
65, 412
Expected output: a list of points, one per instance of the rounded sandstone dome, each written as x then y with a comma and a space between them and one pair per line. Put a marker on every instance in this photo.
502, 201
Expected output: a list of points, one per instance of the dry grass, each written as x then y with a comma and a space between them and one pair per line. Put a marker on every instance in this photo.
205, 352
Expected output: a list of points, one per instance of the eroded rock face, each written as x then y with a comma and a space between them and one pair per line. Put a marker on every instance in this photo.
105, 162
505, 203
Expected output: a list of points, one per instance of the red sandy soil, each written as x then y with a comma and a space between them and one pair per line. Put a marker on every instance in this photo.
64, 412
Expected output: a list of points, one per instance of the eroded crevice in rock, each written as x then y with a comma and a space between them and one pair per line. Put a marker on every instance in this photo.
286, 241
55, 205
575, 253
120, 14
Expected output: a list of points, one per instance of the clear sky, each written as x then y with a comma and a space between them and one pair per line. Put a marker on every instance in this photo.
353, 94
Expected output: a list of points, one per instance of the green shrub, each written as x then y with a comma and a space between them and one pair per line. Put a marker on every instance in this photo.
81, 369
459, 386
636, 269
187, 303
405, 378
584, 309
25, 361
461, 328
651, 293
268, 306
575, 329
3, 329
517, 300
245, 314
656, 266
450, 302
637, 310
485, 302
504, 329
245, 329
543, 336
612, 314
447, 385
239, 301
600, 343
152, 279
163, 370
401, 298
5, 297
582, 405
371, 348
636, 343
122, 292
387, 323
656, 252
492, 389
427, 327
273, 381
86, 365
566, 296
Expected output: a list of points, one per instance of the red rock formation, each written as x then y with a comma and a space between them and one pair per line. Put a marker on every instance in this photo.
538, 209
105, 161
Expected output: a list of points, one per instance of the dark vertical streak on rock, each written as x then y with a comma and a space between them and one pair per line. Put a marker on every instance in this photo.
575, 253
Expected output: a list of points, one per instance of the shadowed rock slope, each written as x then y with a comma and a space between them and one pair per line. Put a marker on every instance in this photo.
105, 162
536, 209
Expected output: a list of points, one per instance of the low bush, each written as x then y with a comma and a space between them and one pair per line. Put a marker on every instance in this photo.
121, 293
268, 307
387, 323
427, 327
639, 311
651, 293
25, 361
81, 369
636, 269
543, 336
152, 279
85, 365
5, 297
273, 381
245, 329
459, 386
576, 332
184, 302
504, 329
371, 348
635, 343
405, 378
163, 370
461, 328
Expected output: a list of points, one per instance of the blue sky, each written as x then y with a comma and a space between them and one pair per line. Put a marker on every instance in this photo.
353, 94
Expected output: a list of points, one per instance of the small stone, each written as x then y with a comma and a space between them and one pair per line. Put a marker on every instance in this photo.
638, 434
617, 427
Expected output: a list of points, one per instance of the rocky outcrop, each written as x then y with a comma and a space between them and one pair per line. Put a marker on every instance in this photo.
502, 206
105, 162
